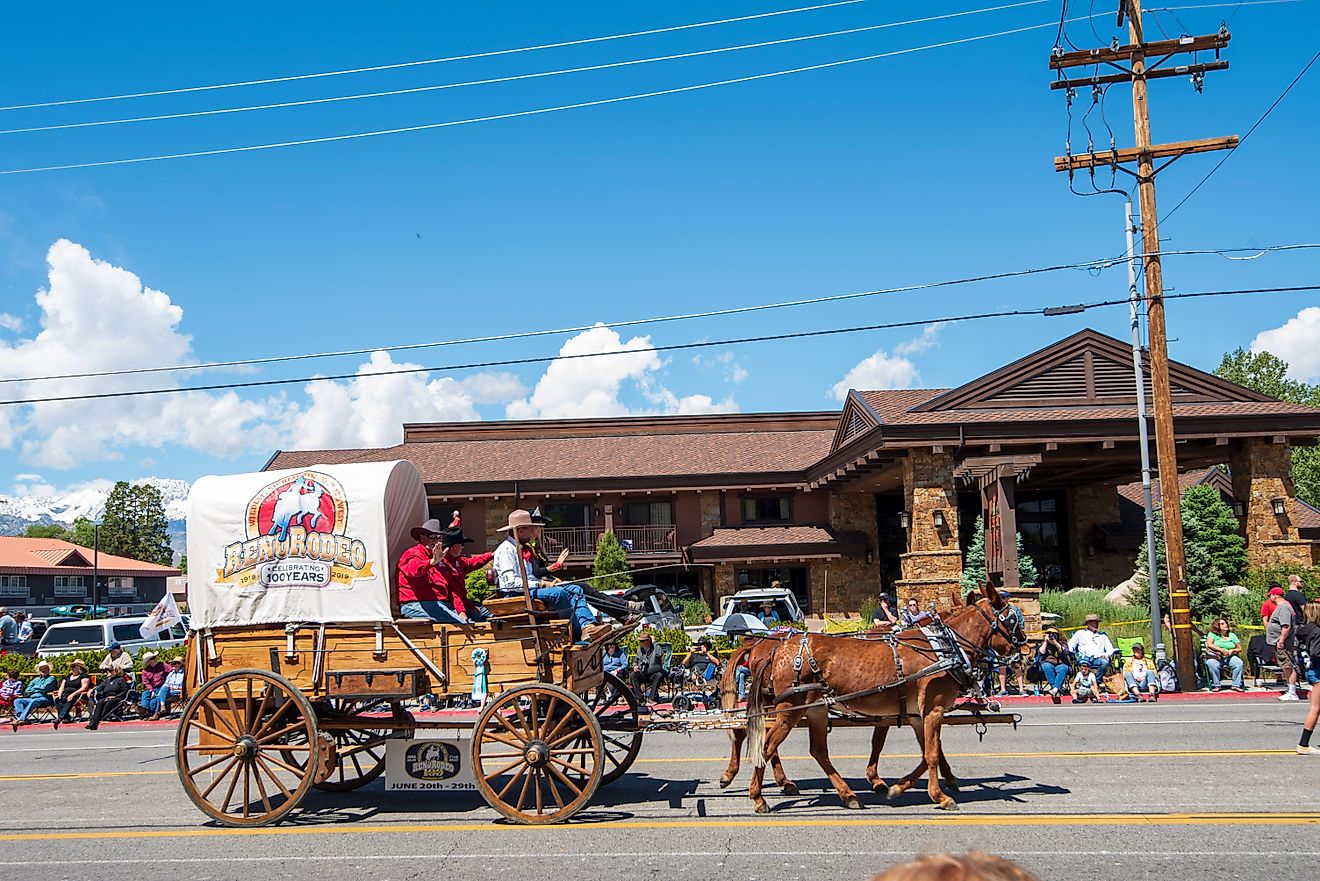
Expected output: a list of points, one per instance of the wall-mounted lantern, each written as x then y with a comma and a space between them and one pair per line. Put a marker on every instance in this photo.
937, 517
905, 520
1278, 502
1239, 509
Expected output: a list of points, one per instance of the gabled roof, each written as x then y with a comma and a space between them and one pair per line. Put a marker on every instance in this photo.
1087, 369
37, 556
857, 419
1131, 492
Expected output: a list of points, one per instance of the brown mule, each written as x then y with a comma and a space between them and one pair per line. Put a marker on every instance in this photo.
738, 736
849, 666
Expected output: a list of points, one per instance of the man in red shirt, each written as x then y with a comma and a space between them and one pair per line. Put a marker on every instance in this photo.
432, 576
1271, 602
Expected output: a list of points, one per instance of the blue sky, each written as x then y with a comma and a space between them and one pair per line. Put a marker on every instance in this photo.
925, 166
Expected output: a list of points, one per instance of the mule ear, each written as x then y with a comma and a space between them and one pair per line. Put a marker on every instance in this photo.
995, 597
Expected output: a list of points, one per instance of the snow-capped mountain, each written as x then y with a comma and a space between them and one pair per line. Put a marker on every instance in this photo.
17, 513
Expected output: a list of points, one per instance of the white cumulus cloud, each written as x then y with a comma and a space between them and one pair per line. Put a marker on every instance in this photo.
10, 322
1297, 342
576, 386
885, 370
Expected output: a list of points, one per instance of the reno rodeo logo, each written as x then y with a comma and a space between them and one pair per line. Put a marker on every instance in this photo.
296, 538
432, 761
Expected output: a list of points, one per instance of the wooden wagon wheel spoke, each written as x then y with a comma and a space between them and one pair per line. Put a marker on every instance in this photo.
512, 780
554, 790
288, 729
549, 737
209, 730
559, 775
233, 781
275, 777
279, 712
279, 764
522, 795
578, 732
261, 787
211, 764
261, 710
507, 768
576, 769
221, 776
522, 737
499, 738
222, 716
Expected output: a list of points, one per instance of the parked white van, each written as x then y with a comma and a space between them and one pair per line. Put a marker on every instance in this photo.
81, 636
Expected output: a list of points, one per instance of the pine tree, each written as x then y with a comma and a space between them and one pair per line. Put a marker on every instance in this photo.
1210, 551
611, 565
974, 569
134, 524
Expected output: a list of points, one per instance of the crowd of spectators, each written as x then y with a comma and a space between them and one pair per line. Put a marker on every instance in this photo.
115, 692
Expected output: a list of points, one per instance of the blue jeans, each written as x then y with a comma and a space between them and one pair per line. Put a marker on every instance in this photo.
1215, 667
569, 601
23, 706
1099, 665
740, 676
439, 611
1055, 674
158, 701
1147, 681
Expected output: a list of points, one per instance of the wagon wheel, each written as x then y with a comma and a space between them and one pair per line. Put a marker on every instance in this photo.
234, 737
361, 751
537, 754
617, 710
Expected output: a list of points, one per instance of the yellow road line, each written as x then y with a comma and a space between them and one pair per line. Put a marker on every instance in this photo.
1150, 753
1224, 819
80, 776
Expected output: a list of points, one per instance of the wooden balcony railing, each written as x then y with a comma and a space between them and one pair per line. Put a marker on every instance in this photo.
581, 541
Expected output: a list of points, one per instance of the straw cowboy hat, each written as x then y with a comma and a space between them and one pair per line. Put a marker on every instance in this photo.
46, 664
517, 518
76, 662
431, 527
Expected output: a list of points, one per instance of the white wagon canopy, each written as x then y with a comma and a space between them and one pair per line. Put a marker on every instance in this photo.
317, 544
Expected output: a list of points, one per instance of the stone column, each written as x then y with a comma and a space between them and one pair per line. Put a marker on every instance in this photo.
1262, 472
852, 580
1092, 566
933, 562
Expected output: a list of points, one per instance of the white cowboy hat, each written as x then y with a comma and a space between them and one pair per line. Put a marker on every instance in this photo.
517, 518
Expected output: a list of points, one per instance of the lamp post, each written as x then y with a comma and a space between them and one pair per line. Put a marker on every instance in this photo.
96, 565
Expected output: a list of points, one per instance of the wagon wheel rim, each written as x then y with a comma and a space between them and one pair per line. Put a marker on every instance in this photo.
529, 757
232, 745
618, 711
360, 751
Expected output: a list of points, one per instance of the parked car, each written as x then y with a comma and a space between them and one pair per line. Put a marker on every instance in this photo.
751, 601
78, 610
660, 612
81, 636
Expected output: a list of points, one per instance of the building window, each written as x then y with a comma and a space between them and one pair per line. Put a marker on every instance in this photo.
766, 509
648, 514
69, 586
13, 586
573, 514
1039, 524
119, 586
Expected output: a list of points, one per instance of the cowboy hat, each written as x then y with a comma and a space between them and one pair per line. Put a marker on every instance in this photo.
538, 518
46, 664
1092, 617
517, 518
149, 656
431, 527
454, 536
76, 662
1053, 630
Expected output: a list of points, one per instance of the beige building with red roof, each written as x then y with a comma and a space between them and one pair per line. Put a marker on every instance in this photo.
44, 572
881, 496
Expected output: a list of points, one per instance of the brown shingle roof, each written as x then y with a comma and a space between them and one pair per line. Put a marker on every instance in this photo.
584, 457
1082, 414
1186, 480
754, 541
35, 556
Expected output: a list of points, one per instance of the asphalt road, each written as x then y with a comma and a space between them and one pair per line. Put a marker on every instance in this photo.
1169, 791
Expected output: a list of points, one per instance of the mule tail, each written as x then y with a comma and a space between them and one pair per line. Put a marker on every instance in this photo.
756, 714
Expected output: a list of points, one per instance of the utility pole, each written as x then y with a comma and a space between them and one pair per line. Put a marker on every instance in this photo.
1138, 62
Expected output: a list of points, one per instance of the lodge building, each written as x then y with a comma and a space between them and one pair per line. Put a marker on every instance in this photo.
839, 506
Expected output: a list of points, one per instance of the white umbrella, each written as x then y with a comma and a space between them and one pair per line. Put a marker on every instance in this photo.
736, 622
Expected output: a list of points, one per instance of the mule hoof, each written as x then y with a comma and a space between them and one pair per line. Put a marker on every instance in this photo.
953, 783
724, 784
880, 788
894, 792
947, 804
852, 804
790, 789
763, 808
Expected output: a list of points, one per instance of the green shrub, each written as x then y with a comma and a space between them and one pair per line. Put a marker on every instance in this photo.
610, 569
59, 664
1073, 607
1244, 609
674, 636
478, 588
695, 611
1261, 579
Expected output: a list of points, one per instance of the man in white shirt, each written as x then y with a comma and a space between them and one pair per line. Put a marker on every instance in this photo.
512, 567
1092, 647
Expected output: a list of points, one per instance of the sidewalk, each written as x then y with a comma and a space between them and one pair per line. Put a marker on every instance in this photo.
1191, 697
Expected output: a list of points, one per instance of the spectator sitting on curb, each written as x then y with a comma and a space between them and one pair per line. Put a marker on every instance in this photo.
72, 689
37, 694
1139, 674
153, 679
1086, 687
1091, 646
172, 688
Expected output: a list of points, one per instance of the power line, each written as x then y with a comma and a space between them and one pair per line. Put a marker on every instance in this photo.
194, 154
1243, 139
513, 362
1090, 265
511, 78
426, 61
